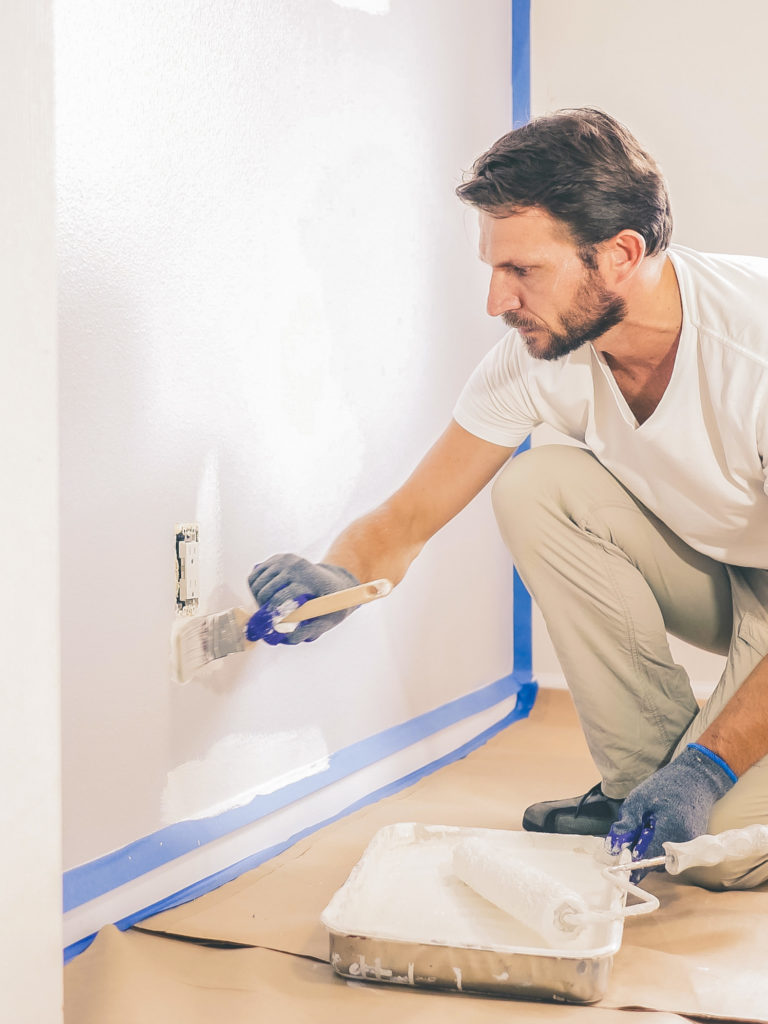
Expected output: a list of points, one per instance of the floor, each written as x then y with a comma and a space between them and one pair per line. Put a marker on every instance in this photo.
255, 949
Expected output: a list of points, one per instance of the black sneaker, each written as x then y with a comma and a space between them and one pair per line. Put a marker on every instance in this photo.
588, 815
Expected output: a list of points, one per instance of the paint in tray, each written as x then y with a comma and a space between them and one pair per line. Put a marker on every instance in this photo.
405, 917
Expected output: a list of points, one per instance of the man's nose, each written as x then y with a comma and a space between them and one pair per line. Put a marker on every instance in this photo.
502, 298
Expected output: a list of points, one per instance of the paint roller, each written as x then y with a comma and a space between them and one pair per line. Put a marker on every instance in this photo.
525, 892
558, 913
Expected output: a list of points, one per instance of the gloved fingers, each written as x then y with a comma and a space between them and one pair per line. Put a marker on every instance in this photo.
287, 577
264, 575
639, 840
643, 847
265, 623
270, 567
634, 829
644, 840
279, 587
260, 624
622, 836
313, 629
282, 603
306, 632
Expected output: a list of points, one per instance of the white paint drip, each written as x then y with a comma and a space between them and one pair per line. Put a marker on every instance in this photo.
239, 768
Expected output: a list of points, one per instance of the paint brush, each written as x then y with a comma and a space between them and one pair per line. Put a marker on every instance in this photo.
199, 641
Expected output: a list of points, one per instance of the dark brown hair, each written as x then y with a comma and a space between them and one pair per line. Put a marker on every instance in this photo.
584, 168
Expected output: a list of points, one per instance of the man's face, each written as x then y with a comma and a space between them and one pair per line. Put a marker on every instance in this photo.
541, 286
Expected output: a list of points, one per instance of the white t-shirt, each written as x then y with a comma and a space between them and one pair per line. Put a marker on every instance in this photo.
700, 461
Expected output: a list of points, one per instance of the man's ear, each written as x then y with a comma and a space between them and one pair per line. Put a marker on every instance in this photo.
620, 256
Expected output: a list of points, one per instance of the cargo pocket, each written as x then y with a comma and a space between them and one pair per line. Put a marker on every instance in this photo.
751, 646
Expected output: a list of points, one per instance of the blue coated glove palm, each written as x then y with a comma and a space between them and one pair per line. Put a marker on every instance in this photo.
672, 805
284, 578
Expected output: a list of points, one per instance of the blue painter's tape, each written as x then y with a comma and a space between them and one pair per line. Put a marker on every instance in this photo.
70, 952
97, 877
522, 610
521, 114
521, 62
526, 696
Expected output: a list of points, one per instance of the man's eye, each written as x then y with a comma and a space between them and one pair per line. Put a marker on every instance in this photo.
522, 271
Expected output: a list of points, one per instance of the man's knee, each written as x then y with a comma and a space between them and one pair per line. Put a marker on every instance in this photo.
536, 484
537, 475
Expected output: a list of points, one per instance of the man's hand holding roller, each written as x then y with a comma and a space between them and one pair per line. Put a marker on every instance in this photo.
675, 803
672, 805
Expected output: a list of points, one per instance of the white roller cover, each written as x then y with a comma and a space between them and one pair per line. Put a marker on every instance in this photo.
530, 895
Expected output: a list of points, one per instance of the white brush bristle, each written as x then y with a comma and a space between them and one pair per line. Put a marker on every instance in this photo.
190, 647
196, 642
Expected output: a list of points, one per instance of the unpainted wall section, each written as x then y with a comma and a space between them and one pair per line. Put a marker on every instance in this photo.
270, 299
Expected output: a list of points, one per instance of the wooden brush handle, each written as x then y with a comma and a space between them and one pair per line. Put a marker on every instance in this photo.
339, 601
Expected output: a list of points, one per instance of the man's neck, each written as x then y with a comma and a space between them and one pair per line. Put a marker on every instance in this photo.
644, 341
641, 350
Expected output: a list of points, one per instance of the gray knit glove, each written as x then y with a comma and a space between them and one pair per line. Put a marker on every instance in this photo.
285, 578
672, 805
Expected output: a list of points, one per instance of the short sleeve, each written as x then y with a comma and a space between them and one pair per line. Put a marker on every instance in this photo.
495, 404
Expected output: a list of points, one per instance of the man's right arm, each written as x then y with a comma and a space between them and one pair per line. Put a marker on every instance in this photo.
383, 543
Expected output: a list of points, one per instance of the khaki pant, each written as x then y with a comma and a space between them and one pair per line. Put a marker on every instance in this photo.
611, 580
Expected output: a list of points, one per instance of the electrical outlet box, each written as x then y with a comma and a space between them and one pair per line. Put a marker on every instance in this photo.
187, 568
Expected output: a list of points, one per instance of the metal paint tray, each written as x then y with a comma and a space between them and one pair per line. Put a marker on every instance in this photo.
403, 917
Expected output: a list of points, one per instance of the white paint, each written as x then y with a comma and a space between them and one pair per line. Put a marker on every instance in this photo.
269, 302
700, 126
238, 768
405, 889
30, 855
328, 801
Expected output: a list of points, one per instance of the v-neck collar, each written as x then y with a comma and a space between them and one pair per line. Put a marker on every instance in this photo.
682, 347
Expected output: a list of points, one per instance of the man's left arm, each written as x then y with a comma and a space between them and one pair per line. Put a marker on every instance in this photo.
674, 804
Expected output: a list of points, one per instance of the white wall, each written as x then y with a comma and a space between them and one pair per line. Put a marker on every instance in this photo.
270, 299
30, 854
688, 78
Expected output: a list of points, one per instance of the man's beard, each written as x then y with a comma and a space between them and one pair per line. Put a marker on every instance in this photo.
595, 310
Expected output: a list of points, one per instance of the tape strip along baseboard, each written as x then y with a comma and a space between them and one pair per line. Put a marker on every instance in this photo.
91, 880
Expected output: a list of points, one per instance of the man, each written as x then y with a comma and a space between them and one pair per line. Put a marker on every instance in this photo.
655, 359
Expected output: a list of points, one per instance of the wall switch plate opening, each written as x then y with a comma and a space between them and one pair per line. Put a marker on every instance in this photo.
187, 568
